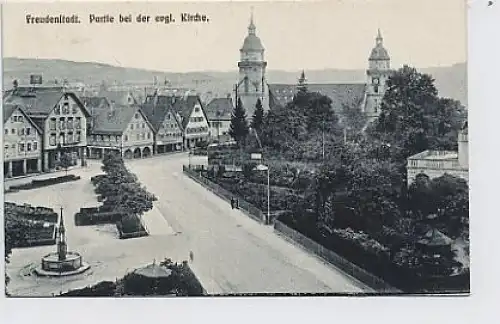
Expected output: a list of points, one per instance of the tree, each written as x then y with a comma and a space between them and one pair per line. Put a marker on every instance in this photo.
258, 116
238, 129
66, 161
413, 117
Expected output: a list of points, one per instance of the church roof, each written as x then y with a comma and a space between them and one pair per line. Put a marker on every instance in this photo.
379, 53
341, 94
252, 43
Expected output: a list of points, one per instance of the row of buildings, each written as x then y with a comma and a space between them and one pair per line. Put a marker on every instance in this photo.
42, 123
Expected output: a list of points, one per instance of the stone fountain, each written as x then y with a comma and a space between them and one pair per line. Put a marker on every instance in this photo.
61, 263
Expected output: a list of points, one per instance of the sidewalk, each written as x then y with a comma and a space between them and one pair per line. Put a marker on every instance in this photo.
155, 223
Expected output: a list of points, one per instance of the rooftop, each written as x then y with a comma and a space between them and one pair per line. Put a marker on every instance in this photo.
435, 155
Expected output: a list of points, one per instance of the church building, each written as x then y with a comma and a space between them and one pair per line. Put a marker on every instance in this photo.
253, 85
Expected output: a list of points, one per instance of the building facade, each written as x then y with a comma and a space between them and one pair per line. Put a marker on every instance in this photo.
62, 118
22, 141
123, 129
436, 163
167, 126
252, 84
191, 113
219, 111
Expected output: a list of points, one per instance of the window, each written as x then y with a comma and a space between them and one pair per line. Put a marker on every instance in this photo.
136, 116
78, 137
197, 109
143, 125
168, 117
78, 123
21, 147
52, 139
117, 138
22, 131
14, 147
74, 109
52, 124
70, 122
29, 147
149, 135
62, 139
69, 138
6, 131
28, 131
57, 111
65, 108
20, 118
125, 138
35, 146
101, 138
94, 138
6, 148
62, 123
131, 126
13, 130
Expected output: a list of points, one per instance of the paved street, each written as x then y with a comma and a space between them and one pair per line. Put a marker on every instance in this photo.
232, 253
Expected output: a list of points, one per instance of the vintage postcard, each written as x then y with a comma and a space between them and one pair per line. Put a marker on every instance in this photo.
235, 148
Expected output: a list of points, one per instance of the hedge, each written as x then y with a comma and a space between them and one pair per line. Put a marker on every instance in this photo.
46, 182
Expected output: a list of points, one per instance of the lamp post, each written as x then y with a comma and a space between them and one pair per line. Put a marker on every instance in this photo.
262, 167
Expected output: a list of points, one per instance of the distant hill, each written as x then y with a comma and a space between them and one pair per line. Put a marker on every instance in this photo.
451, 81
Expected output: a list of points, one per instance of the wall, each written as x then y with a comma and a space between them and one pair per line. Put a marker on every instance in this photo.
74, 125
138, 132
202, 123
12, 141
169, 132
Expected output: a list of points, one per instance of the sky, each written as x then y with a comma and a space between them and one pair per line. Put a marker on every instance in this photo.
296, 35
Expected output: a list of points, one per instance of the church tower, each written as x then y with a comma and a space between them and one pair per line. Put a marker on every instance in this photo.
252, 83
379, 70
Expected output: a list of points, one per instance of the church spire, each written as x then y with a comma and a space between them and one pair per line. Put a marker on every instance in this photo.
302, 86
251, 26
379, 38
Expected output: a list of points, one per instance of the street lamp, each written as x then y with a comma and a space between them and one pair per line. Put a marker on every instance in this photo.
262, 167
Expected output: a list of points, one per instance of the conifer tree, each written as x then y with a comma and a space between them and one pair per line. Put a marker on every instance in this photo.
238, 129
258, 116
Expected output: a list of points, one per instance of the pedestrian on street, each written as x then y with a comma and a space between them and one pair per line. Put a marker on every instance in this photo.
232, 203
191, 256
237, 204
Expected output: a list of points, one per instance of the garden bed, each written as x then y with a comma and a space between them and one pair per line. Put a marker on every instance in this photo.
131, 227
36, 225
375, 259
96, 216
45, 182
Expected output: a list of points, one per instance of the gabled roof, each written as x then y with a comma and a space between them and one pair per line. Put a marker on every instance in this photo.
95, 102
8, 109
116, 120
118, 97
341, 94
219, 109
41, 103
184, 107
156, 113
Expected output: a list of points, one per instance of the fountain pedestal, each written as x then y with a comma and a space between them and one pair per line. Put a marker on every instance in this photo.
61, 263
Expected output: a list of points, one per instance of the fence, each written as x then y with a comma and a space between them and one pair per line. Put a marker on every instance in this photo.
349, 268
249, 209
